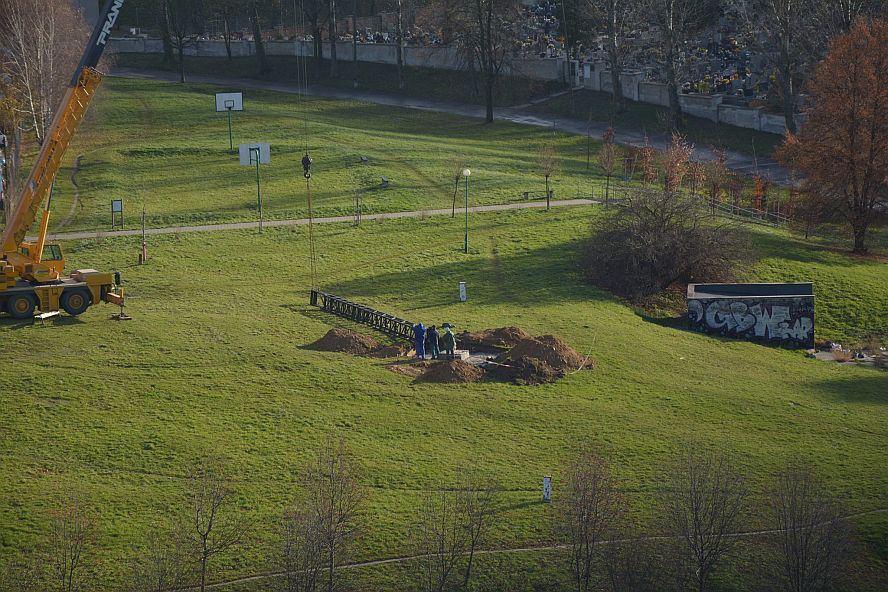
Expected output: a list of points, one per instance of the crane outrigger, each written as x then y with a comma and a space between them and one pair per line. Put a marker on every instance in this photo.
31, 272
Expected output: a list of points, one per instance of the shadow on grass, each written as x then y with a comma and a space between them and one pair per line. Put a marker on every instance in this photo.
541, 276
871, 387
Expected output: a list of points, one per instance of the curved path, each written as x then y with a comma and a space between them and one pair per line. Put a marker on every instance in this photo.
404, 558
524, 205
737, 162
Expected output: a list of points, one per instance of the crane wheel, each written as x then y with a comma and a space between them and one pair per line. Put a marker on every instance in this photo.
21, 306
75, 301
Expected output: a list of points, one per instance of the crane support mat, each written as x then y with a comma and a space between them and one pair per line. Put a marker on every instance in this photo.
342, 307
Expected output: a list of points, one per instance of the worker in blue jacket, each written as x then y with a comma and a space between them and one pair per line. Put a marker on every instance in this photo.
419, 332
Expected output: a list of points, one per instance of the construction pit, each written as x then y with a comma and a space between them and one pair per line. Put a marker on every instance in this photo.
506, 354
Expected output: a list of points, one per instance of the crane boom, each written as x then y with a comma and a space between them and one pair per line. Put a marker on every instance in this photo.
68, 117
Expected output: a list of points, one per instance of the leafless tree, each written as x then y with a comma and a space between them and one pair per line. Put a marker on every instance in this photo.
677, 21
547, 163
161, 565
590, 506
70, 543
607, 159
484, 31
814, 540
181, 21
615, 18
211, 525
334, 496
629, 563
441, 539
704, 505
476, 500
256, 21
331, 11
456, 166
676, 163
301, 550
40, 45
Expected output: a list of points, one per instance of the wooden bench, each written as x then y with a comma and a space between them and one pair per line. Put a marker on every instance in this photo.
45, 315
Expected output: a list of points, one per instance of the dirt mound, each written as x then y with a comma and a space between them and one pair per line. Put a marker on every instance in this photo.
412, 370
345, 341
391, 351
537, 360
503, 338
452, 372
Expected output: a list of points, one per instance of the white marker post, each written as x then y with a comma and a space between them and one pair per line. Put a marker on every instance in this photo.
462, 292
257, 154
547, 489
229, 102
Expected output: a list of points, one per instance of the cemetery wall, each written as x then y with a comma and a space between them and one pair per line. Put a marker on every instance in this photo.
595, 76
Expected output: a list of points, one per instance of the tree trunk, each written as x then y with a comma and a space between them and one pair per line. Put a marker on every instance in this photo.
331, 565
166, 37
318, 49
355, 43
672, 84
613, 54
227, 35
399, 39
860, 229
257, 40
333, 35
786, 88
203, 573
181, 48
488, 95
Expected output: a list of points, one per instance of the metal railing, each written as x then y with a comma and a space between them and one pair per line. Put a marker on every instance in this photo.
383, 322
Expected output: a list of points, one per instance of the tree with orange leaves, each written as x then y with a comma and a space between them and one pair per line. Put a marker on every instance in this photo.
841, 151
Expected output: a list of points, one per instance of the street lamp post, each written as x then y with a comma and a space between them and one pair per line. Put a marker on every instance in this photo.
466, 173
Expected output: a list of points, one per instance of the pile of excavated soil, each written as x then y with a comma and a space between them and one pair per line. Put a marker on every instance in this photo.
503, 338
358, 344
345, 341
412, 370
536, 360
452, 372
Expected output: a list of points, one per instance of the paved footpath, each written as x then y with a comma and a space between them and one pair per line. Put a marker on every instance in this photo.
522, 114
524, 205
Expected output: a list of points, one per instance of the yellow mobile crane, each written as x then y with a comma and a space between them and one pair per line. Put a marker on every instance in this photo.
31, 273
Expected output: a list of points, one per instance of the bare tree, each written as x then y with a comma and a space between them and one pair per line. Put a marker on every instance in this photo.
161, 565
71, 541
334, 497
615, 17
607, 159
40, 44
703, 509
477, 501
181, 20
677, 21
548, 163
590, 506
331, 11
813, 542
676, 163
456, 166
256, 21
629, 564
716, 176
441, 538
211, 525
301, 550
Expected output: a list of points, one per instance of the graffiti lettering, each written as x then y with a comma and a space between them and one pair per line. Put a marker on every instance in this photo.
788, 321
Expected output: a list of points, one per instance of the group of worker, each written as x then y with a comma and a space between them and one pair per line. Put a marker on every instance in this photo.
430, 341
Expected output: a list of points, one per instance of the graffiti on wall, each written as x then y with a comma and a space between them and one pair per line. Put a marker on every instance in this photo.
788, 322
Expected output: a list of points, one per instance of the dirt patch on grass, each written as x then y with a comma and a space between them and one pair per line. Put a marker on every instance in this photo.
503, 338
539, 360
452, 372
412, 370
358, 344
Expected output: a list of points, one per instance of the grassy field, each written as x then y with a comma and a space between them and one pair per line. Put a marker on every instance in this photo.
213, 363
161, 147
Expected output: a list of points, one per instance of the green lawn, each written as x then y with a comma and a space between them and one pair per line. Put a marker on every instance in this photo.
212, 363
161, 146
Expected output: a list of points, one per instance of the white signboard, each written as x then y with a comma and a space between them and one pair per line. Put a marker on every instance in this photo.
229, 102
547, 489
462, 292
116, 206
248, 154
